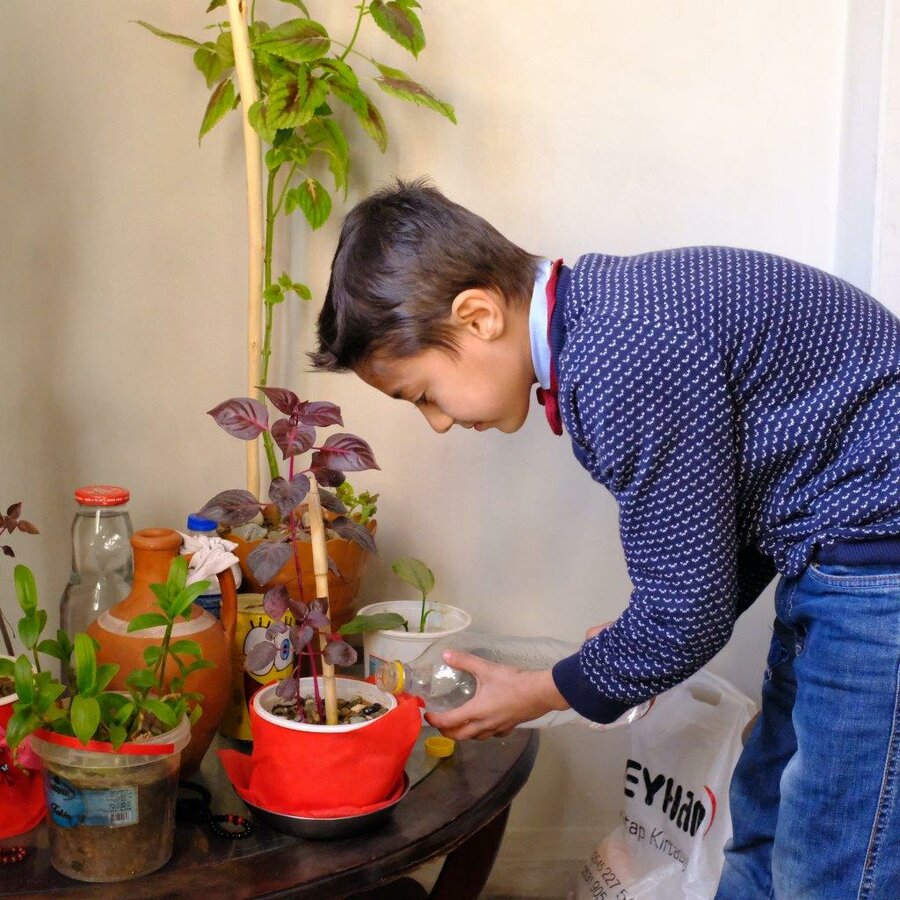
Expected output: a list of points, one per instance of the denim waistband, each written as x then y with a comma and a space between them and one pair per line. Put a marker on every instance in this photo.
871, 551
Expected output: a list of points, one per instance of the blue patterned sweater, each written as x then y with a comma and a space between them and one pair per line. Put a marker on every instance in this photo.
742, 409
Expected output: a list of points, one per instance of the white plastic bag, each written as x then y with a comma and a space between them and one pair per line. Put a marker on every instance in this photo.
675, 818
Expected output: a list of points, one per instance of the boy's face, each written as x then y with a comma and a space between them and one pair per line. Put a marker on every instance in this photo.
486, 385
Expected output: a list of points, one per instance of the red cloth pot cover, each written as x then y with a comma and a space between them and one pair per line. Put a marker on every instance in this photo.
21, 789
325, 775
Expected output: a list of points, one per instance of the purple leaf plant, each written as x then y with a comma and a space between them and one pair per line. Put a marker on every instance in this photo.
295, 434
9, 523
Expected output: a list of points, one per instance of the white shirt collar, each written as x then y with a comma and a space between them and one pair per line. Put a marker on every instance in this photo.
537, 325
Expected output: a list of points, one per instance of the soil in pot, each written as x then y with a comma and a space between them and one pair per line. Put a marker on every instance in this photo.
350, 712
7, 687
138, 805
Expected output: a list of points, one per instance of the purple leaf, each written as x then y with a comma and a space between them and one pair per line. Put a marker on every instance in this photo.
286, 495
315, 412
274, 630
293, 439
353, 531
275, 602
340, 653
282, 399
299, 609
288, 689
261, 657
302, 482
27, 527
242, 417
345, 452
318, 613
327, 477
331, 502
15, 510
233, 507
267, 559
7, 550
301, 635
9, 523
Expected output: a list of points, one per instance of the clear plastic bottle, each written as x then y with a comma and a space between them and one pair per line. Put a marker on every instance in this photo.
442, 687
102, 561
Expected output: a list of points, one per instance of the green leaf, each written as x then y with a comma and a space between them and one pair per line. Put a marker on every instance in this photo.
24, 678
117, 734
194, 715
152, 655
379, 622
26, 589
148, 620
220, 104
301, 290
84, 713
30, 628
47, 696
167, 35
177, 579
162, 711
209, 61
399, 23
183, 602
339, 71
141, 680
8, 667
192, 648
366, 112
256, 115
299, 40
85, 666
48, 648
105, 674
215, 4
299, 4
273, 294
313, 199
196, 665
22, 723
326, 136
416, 573
399, 84
293, 100
124, 713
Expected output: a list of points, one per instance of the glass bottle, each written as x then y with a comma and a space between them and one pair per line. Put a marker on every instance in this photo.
442, 687
211, 601
102, 563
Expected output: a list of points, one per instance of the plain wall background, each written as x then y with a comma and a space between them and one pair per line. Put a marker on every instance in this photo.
583, 126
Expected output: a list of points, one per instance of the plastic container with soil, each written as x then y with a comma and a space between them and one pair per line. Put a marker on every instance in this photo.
111, 814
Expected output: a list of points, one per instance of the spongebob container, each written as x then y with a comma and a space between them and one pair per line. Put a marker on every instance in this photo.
252, 623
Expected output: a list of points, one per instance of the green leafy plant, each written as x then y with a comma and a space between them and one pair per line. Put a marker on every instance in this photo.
287, 77
414, 572
85, 709
361, 508
9, 523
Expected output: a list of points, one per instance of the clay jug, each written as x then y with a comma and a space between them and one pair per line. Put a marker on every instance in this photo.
154, 550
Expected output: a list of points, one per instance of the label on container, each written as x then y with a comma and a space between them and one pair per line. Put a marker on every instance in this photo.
70, 806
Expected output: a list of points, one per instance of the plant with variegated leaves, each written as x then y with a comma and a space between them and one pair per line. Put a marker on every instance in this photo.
299, 70
295, 434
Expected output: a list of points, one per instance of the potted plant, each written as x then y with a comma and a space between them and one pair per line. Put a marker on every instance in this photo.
387, 634
111, 759
318, 718
9, 523
289, 80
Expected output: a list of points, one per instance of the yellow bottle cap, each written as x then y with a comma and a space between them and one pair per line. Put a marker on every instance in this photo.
440, 746
399, 676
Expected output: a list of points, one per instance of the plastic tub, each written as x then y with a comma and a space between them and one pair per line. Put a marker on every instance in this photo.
111, 814
380, 647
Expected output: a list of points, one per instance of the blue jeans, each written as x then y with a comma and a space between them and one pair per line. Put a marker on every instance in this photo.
814, 798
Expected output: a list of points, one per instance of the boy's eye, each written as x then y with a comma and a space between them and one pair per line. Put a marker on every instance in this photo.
422, 400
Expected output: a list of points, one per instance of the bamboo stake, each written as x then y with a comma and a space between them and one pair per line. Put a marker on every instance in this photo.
246, 77
320, 569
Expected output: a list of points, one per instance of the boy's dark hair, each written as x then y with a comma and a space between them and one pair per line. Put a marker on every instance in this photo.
403, 255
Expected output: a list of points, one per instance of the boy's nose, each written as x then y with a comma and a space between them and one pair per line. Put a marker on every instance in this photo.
438, 420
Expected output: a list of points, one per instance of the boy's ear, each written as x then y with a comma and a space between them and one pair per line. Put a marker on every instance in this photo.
480, 311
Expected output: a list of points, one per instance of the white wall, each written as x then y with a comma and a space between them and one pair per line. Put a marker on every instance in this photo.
583, 126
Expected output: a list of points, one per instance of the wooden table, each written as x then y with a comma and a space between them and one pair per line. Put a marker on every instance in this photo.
458, 810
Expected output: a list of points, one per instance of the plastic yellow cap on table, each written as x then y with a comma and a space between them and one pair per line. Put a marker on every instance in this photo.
440, 746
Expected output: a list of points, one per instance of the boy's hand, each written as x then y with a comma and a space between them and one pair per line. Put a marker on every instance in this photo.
593, 632
505, 697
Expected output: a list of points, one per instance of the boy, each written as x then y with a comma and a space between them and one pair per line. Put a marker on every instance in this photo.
744, 411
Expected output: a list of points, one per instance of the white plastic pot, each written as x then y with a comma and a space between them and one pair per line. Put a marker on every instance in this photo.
264, 700
380, 647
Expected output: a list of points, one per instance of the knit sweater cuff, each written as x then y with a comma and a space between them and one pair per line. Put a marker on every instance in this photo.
581, 695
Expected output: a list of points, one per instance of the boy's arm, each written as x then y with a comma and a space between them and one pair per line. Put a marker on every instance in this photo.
657, 417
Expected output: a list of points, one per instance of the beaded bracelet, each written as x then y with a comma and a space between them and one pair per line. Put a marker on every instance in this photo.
198, 809
11, 855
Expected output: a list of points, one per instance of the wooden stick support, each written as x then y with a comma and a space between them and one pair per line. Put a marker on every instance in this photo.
320, 569
246, 77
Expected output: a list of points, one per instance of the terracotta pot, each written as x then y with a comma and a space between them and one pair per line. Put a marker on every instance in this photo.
154, 550
348, 556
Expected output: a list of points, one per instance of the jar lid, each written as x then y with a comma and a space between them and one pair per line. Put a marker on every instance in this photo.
440, 746
102, 495
199, 523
